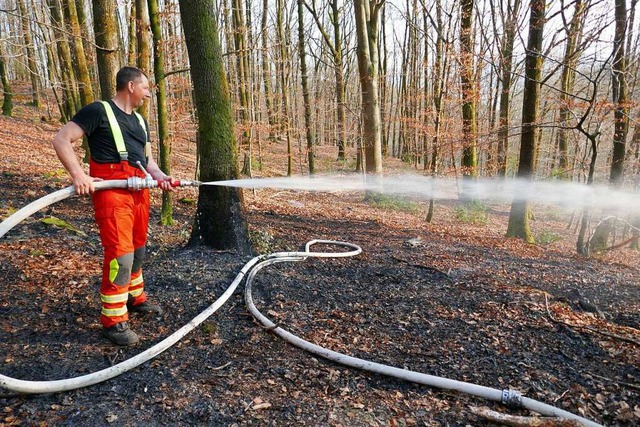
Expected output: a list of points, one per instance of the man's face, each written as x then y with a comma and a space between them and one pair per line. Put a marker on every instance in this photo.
139, 91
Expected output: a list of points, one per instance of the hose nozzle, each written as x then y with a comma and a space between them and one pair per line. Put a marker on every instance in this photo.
187, 183
136, 183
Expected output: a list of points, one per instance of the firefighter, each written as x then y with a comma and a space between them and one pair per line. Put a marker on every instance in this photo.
118, 138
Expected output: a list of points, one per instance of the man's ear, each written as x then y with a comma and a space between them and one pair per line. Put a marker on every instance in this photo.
130, 86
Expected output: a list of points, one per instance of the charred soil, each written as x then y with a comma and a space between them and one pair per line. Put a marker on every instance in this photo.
445, 298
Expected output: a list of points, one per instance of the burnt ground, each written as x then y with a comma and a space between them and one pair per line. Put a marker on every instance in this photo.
447, 298
446, 304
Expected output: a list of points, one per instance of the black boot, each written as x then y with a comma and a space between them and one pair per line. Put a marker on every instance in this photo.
120, 334
144, 308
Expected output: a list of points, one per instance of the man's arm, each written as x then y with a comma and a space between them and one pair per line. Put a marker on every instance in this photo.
63, 145
164, 180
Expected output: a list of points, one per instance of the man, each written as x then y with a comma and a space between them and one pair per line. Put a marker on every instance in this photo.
118, 138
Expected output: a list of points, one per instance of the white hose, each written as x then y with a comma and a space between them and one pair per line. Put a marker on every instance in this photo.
508, 397
253, 267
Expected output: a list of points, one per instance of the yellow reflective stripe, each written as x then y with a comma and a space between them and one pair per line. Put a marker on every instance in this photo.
136, 292
137, 281
113, 299
114, 267
112, 312
116, 131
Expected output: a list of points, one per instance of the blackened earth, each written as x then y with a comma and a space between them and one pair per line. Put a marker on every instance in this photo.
483, 320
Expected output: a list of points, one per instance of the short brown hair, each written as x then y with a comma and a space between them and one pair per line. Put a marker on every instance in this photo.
126, 75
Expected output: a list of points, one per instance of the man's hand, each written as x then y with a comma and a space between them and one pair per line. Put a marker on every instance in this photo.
84, 183
166, 183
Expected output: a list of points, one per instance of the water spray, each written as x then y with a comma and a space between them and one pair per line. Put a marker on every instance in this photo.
249, 270
570, 195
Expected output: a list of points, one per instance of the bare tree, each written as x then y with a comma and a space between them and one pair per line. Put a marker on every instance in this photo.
619, 92
367, 20
519, 216
469, 93
143, 47
105, 27
219, 221
335, 46
34, 76
506, 66
164, 140
305, 89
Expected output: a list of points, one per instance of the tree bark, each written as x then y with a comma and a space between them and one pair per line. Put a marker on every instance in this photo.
105, 27
34, 76
619, 91
266, 71
7, 91
367, 14
70, 90
567, 83
242, 68
282, 63
506, 65
305, 89
335, 47
469, 93
164, 140
438, 79
82, 71
519, 215
143, 51
220, 219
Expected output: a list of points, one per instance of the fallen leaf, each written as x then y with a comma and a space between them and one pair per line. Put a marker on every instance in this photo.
263, 405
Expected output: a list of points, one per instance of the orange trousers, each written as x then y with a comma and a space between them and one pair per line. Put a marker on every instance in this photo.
123, 218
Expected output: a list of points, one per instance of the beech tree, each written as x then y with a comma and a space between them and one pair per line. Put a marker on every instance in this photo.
105, 27
519, 215
367, 20
166, 212
219, 220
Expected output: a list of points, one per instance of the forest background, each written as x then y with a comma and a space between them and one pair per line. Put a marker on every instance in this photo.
454, 89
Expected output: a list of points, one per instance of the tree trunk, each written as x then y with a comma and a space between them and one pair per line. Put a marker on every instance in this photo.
305, 89
31, 56
131, 35
242, 68
72, 103
7, 91
105, 27
89, 48
519, 215
367, 14
143, 57
619, 91
220, 219
506, 65
82, 71
282, 63
438, 76
469, 95
266, 71
164, 139
571, 57
335, 47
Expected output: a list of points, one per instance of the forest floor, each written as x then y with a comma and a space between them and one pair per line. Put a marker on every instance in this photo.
448, 298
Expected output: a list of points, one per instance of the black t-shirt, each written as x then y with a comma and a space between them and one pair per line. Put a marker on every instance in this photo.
93, 120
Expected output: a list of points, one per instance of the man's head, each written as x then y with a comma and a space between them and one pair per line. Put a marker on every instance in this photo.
135, 83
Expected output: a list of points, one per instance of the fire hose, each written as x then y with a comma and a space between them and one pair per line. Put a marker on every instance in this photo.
250, 269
